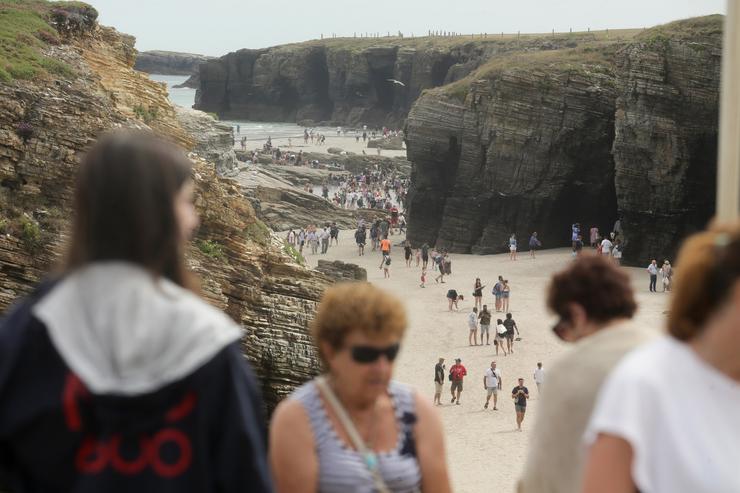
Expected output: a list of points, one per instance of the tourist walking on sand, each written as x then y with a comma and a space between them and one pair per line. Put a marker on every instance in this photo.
606, 247
301, 240
440, 261
617, 251
113, 370
520, 394
510, 325
417, 256
452, 298
512, 247
324, 240
457, 373
334, 234
593, 301
684, 442
492, 383
666, 273
423, 278
497, 290
360, 238
539, 377
424, 255
478, 292
407, 252
653, 272
485, 325
505, 295
313, 241
385, 264
534, 244
473, 327
291, 237
439, 381
500, 341
593, 236
351, 428
385, 247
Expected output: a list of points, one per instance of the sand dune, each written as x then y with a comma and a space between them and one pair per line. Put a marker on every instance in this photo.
485, 453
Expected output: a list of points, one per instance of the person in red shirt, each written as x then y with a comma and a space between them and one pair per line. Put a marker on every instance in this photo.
457, 373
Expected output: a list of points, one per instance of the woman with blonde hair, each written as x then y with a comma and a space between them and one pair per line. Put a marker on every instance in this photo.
667, 419
354, 428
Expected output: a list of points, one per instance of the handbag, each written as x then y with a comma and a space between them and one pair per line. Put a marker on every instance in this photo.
369, 458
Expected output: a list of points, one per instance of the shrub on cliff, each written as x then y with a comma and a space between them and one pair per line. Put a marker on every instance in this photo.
72, 18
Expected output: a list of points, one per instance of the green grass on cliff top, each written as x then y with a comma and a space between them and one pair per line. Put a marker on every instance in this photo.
591, 52
25, 33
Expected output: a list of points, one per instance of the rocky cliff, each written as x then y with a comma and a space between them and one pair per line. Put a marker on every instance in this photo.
525, 144
169, 62
346, 81
46, 123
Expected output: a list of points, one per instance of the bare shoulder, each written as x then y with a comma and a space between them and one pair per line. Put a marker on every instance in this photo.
290, 414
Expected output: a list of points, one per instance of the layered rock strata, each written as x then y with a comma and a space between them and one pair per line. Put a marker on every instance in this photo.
169, 62
243, 271
525, 144
346, 81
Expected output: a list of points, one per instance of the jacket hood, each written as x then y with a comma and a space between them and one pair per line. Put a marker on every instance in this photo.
125, 332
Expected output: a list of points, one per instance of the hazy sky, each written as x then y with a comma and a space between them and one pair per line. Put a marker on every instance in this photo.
216, 27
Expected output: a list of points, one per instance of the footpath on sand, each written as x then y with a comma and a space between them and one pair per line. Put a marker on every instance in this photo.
484, 451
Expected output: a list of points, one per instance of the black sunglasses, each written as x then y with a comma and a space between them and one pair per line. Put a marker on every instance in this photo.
369, 354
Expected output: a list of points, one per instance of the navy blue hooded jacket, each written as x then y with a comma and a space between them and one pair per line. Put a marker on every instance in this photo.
111, 381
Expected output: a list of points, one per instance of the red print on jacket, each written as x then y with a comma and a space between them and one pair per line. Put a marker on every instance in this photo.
95, 455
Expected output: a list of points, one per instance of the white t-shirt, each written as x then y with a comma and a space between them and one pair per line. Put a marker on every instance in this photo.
539, 375
473, 320
680, 415
492, 378
606, 247
500, 329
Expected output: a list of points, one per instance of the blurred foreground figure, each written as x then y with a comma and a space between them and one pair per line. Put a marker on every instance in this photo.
594, 302
115, 376
668, 417
354, 429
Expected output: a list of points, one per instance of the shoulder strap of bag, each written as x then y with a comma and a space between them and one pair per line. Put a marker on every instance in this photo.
368, 456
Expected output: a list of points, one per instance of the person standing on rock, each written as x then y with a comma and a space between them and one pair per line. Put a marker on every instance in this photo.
439, 381
492, 383
114, 374
457, 374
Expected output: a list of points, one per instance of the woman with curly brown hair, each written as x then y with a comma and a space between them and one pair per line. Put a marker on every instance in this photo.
353, 428
668, 417
594, 302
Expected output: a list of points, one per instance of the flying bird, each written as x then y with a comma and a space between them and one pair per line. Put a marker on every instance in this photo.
398, 82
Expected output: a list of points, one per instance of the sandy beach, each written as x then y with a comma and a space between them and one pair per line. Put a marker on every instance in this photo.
346, 143
484, 451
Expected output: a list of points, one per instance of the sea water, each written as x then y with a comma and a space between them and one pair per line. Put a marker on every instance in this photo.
253, 131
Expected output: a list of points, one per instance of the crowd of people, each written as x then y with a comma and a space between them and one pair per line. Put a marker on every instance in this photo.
116, 376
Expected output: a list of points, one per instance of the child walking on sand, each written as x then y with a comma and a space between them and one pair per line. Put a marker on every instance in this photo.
423, 278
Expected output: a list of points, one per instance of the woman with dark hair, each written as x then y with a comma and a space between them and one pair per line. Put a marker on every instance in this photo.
668, 417
593, 301
115, 375
478, 293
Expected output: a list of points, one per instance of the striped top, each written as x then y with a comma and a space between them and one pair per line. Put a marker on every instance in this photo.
341, 468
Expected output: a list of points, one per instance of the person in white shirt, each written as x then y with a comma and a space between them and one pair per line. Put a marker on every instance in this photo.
539, 377
492, 384
606, 246
473, 326
500, 340
653, 271
668, 417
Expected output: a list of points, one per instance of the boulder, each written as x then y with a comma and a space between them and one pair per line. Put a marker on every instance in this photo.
342, 271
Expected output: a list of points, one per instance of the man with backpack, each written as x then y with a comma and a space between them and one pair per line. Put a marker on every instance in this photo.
457, 373
439, 380
334, 234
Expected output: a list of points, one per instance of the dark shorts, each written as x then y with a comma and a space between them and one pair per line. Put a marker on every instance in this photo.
457, 385
520, 409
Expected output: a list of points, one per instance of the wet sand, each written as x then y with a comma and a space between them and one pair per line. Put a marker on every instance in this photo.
485, 453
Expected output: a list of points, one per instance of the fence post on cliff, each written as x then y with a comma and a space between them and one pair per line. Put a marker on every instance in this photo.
728, 165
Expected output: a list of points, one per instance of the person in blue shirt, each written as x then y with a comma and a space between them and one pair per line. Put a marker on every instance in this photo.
114, 375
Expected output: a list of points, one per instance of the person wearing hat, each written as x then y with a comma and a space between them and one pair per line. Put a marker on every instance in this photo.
439, 380
457, 373
666, 273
